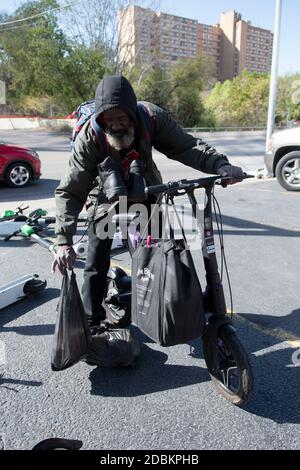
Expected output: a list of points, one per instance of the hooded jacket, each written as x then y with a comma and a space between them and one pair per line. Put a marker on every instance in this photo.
82, 183
116, 92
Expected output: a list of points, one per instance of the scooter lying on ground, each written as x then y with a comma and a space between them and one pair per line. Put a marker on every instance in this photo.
24, 286
9, 214
10, 226
13, 220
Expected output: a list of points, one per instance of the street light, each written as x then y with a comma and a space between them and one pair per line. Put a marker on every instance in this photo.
274, 74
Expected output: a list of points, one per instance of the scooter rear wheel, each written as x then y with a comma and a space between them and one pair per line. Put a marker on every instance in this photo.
233, 378
34, 286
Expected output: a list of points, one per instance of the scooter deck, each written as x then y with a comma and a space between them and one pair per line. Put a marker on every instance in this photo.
20, 288
9, 228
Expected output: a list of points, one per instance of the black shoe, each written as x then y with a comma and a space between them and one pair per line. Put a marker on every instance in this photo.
110, 172
137, 183
117, 317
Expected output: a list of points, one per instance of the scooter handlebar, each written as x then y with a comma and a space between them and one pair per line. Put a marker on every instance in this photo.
189, 184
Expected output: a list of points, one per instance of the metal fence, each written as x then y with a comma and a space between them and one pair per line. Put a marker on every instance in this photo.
236, 129
223, 129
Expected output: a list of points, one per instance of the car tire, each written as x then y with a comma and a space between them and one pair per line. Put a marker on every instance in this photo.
288, 171
18, 174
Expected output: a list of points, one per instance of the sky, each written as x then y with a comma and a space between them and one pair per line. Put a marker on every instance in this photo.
260, 12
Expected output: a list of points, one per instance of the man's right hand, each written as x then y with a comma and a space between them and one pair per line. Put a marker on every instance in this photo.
64, 259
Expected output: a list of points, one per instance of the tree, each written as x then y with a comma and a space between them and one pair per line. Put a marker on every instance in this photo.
95, 24
177, 89
288, 98
242, 101
189, 78
39, 62
33, 51
82, 69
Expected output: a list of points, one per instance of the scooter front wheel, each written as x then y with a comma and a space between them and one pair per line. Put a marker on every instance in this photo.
233, 377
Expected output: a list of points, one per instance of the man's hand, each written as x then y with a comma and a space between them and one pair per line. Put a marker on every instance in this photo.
235, 173
64, 259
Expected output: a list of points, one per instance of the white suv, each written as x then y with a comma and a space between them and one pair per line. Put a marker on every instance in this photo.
283, 158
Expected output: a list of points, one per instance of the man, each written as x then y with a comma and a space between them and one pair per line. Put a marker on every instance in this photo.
131, 130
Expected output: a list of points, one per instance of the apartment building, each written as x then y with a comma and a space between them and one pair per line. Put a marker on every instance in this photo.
149, 38
243, 46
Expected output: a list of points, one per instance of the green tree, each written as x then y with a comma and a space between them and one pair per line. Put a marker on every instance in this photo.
177, 89
189, 78
288, 98
82, 69
33, 51
39, 62
151, 84
242, 101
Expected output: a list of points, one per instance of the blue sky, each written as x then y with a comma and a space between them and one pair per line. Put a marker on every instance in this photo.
259, 12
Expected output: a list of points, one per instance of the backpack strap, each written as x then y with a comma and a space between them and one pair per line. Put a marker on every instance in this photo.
148, 119
100, 137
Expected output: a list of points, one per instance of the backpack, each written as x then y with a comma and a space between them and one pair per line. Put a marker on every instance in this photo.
86, 111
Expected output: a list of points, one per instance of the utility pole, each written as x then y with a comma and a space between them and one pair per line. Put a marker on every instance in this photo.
274, 73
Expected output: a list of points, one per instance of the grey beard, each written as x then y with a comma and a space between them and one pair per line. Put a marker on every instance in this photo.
123, 142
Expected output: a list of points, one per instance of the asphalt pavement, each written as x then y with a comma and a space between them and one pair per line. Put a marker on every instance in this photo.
167, 400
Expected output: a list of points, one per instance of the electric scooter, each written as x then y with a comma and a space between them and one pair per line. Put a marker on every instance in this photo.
29, 284
24, 286
226, 358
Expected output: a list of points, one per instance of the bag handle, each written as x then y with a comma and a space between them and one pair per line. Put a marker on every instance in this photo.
170, 199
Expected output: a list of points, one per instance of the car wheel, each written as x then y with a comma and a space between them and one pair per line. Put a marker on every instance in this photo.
18, 175
288, 171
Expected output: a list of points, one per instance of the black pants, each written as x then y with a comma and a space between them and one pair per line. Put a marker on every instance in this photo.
96, 270
95, 274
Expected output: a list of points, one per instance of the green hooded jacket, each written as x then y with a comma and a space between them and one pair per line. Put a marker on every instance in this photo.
82, 183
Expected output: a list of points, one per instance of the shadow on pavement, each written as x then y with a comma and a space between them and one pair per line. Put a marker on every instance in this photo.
30, 330
276, 394
149, 375
276, 379
289, 323
246, 227
255, 229
42, 189
21, 242
5, 382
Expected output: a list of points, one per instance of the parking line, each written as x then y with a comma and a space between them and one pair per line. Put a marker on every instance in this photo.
276, 333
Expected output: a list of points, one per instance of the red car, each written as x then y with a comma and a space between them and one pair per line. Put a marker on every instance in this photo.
18, 165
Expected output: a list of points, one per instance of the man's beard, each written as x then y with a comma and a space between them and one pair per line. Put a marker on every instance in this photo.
120, 140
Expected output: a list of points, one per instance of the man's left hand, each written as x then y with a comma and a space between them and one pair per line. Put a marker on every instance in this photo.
235, 173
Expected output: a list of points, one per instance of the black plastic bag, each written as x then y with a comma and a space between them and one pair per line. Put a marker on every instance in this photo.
73, 340
112, 348
72, 336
